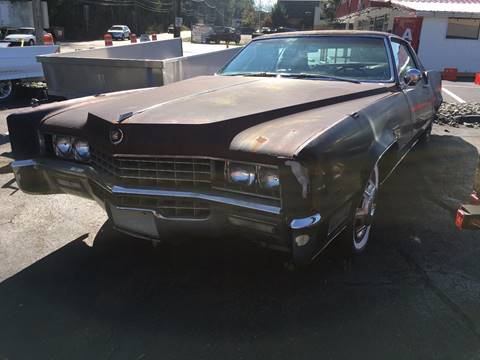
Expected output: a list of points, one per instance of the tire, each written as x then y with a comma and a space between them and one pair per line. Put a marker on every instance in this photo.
7, 90
425, 137
357, 234
31, 43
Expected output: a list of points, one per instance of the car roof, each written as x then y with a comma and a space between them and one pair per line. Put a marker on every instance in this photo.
327, 33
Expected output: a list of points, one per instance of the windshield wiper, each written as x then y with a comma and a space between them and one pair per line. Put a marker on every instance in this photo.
316, 76
254, 73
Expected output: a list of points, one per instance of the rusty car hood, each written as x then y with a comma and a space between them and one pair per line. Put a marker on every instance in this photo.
212, 115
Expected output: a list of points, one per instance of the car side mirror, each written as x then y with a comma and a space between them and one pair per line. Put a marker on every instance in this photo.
412, 77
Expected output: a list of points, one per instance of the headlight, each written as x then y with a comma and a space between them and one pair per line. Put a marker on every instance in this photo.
63, 146
241, 174
82, 150
268, 178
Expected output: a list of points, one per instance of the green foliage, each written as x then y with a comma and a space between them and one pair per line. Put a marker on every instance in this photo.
279, 15
146, 15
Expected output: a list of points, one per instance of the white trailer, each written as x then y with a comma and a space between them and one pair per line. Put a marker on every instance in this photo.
19, 65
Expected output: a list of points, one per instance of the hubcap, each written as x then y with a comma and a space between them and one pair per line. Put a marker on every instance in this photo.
5, 89
365, 212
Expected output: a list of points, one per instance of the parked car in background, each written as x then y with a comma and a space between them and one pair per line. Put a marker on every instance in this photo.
171, 29
262, 31
267, 31
223, 33
24, 35
245, 30
119, 32
289, 143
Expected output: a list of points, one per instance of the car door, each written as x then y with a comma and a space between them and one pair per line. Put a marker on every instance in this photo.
419, 95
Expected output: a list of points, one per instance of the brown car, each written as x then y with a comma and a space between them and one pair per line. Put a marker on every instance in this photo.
289, 143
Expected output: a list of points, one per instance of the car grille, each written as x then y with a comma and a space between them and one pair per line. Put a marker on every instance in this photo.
171, 172
168, 208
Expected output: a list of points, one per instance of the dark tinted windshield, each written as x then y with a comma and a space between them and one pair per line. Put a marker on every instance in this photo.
358, 58
21, 31
116, 28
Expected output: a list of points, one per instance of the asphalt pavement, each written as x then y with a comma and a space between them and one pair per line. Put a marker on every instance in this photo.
71, 287
461, 91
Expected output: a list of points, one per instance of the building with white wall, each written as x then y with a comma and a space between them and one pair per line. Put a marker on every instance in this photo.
445, 33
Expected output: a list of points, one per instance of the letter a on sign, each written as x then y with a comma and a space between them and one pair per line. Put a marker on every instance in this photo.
407, 35
409, 28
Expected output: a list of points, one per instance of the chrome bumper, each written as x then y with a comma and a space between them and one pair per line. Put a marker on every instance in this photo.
49, 176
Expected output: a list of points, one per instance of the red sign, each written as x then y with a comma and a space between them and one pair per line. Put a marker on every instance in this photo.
409, 29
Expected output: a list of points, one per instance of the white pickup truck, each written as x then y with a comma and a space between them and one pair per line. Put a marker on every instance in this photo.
19, 65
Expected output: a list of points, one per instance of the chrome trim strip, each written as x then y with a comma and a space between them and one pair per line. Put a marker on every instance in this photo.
23, 163
399, 161
121, 190
160, 216
304, 223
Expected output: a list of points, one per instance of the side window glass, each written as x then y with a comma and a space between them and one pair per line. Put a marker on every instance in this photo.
403, 59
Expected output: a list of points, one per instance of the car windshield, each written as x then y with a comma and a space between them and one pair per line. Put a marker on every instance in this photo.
116, 28
337, 57
21, 31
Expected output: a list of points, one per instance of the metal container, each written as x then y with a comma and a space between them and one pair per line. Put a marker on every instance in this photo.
116, 68
135, 66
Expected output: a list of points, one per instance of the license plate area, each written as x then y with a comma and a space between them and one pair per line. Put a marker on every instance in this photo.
136, 221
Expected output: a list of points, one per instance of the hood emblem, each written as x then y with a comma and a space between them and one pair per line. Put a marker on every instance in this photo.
116, 136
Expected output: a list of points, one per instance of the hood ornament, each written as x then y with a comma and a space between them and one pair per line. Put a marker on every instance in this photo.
116, 136
123, 117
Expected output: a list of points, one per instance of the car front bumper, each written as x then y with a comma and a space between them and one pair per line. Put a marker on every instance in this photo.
266, 223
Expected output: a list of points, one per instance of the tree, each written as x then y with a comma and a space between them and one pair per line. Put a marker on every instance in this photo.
279, 15
331, 8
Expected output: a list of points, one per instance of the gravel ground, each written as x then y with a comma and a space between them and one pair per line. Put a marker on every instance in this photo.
455, 114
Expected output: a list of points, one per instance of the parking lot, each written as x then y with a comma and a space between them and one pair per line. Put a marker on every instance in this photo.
71, 287
461, 92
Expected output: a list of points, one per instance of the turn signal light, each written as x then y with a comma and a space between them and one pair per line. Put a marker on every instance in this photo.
459, 219
474, 199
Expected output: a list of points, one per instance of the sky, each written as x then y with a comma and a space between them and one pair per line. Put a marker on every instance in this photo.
266, 4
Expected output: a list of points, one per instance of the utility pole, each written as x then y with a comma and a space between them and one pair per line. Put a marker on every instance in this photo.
177, 8
38, 21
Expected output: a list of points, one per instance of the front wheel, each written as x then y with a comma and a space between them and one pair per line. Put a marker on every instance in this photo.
6, 90
425, 137
357, 233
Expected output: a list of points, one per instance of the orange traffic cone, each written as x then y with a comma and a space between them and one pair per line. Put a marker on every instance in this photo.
477, 78
47, 39
108, 39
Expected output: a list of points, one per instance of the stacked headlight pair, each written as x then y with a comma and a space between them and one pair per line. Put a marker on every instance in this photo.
69, 147
248, 175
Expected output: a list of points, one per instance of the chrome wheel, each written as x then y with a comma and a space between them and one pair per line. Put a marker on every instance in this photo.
6, 89
365, 211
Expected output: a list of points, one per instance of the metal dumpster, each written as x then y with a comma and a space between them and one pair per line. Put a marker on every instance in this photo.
134, 66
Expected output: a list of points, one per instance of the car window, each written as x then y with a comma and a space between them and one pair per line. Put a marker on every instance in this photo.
358, 58
403, 59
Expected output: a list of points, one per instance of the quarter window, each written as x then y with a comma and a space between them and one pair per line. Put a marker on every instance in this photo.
463, 28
